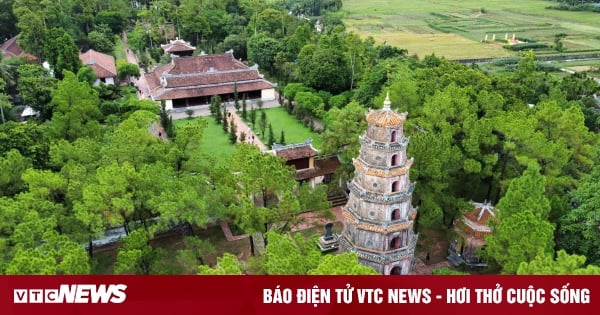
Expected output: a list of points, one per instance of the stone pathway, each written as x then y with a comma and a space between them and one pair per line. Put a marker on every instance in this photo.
251, 137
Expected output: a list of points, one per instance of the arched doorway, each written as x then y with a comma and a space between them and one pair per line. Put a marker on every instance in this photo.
393, 138
396, 271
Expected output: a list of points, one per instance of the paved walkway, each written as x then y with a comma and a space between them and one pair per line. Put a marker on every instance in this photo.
140, 84
251, 137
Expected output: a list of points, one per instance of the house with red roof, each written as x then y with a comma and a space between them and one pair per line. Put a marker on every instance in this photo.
11, 48
193, 80
102, 64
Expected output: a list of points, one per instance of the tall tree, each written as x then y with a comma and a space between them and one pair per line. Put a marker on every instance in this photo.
522, 231
76, 111
35, 85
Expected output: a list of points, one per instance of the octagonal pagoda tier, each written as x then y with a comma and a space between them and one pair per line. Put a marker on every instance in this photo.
379, 216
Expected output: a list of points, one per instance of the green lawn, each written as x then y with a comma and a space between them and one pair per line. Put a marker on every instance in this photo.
455, 28
215, 141
294, 131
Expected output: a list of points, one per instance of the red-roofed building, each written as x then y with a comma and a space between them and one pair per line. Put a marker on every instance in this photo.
309, 168
193, 80
102, 64
11, 48
179, 48
475, 222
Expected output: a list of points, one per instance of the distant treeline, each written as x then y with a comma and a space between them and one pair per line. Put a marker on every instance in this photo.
577, 5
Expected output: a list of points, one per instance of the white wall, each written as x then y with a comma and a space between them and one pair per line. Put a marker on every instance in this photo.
267, 94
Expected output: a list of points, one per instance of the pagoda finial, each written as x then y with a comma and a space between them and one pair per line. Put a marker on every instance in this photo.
387, 103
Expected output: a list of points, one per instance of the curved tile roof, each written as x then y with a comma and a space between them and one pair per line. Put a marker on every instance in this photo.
386, 117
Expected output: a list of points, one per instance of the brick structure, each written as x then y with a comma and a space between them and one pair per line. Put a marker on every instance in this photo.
379, 216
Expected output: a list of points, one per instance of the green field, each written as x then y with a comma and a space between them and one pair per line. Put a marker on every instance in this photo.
294, 131
455, 29
215, 141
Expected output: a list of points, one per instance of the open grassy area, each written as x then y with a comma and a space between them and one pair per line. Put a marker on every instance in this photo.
294, 131
215, 141
455, 28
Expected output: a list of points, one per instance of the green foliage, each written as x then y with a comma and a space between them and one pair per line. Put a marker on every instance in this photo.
578, 228
262, 50
291, 255
126, 70
35, 85
522, 231
447, 271
262, 123
342, 264
271, 138
309, 104
564, 264
228, 264
30, 140
76, 112
12, 166
86, 74
232, 132
282, 138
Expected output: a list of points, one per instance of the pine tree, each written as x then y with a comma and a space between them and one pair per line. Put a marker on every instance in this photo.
262, 123
282, 138
170, 130
224, 115
232, 132
244, 108
242, 137
271, 136
225, 123
253, 116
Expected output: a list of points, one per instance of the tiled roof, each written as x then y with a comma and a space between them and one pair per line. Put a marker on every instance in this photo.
296, 151
204, 75
186, 92
481, 214
177, 45
386, 117
323, 166
102, 64
11, 48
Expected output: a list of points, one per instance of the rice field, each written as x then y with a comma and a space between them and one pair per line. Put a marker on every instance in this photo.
457, 29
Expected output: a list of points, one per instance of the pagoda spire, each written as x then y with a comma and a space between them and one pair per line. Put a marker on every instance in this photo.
387, 103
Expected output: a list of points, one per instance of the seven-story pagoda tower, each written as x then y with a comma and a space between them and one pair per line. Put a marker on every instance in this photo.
379, 217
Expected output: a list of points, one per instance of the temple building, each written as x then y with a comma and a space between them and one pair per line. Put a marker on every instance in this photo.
309, 168
474, 223
193, 80
178, 47
379, 216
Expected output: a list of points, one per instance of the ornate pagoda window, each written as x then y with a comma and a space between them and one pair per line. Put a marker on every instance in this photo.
394, 159
396, 186
394, 136
396, 214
